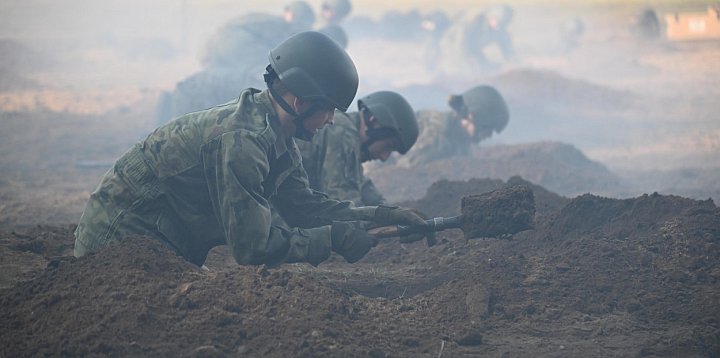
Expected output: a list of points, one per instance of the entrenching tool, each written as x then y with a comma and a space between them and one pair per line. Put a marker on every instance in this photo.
507, 210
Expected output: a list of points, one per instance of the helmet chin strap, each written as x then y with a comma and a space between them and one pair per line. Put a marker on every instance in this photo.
298, 119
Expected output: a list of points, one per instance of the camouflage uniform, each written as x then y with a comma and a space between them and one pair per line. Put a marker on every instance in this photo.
207, 179
441, 136
333, 163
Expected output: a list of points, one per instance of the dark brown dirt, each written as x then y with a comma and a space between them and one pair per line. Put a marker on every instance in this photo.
600, 277
503, 211
597, 276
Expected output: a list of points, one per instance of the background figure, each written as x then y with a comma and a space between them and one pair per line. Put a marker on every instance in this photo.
232, 60
332, 13
336, 33
645, 24
469, 35
476, 115
434, 26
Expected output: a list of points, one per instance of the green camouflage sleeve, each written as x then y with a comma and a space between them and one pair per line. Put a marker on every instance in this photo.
303, 207
235, 165
342, 173
432, 142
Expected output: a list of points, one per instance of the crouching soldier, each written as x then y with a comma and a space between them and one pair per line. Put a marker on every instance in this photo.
208, 178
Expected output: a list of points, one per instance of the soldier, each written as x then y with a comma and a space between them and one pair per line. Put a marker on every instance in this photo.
208, 178
475, 115
385, 122
233, 59
466, 40
333, 12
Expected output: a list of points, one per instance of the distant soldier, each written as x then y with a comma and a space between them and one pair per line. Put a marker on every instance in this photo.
646, 24
475, 116
434, 26
336, 33
471, 32
385, 123
233, 59
333, 12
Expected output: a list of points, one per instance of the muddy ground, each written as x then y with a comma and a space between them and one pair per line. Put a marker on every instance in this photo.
623, 261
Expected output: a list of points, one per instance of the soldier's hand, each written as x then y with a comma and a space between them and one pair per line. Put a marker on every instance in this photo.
351, 240
428, 236
394, 215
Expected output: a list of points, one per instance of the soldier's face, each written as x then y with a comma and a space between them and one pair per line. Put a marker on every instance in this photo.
318, 120
468, 125
381, 149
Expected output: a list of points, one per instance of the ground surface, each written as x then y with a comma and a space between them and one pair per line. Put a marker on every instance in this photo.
620, 272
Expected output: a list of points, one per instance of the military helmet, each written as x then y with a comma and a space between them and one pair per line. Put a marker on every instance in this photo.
487, 106
314, 67
393, 111
341, 8
303, 14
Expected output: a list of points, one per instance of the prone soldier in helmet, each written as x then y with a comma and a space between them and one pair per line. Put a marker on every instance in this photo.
385, 122
476, 115
208, 178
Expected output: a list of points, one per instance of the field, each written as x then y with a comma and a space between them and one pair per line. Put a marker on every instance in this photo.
618, 137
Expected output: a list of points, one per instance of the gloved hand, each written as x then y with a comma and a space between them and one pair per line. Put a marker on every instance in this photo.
394, 215
351, 240
429, 236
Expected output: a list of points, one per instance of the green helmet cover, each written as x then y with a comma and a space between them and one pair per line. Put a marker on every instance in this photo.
487, 106
393, 111
315, 68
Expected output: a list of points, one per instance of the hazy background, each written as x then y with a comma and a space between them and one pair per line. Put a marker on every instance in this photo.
629, 104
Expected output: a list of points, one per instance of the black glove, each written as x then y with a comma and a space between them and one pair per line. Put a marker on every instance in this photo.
429, 236
393, 215
351, 240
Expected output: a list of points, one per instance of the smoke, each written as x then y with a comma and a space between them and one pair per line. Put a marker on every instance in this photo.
578, 74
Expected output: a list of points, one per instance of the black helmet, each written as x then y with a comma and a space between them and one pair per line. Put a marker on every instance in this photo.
486, 105
341, 8
393, 111
303, 14
314, 67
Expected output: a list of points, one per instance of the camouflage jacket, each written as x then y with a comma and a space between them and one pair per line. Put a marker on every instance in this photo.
333, 164
441, 136
208, 178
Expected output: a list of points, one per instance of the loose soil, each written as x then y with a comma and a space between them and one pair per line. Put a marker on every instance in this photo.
611, 267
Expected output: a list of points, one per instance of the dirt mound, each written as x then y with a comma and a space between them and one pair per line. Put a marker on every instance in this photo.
600, 277
529, 87
559, 167
443, 198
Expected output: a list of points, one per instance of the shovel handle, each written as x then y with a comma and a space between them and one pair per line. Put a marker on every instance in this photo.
434, 224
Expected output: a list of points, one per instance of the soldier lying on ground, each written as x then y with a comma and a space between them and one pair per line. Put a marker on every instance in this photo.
208, 178
475, 115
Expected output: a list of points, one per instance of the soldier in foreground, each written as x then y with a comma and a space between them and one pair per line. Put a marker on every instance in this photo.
208, 178
476, 115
